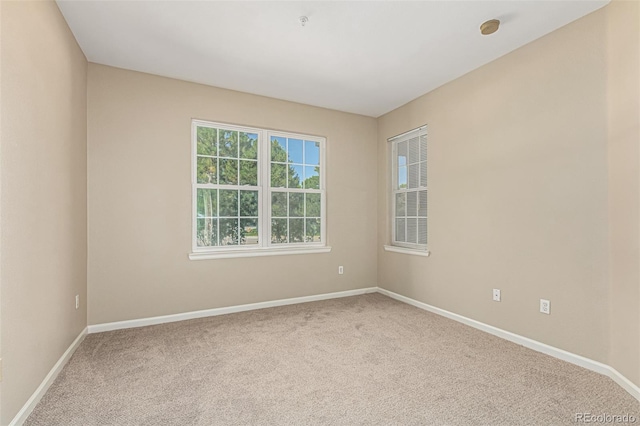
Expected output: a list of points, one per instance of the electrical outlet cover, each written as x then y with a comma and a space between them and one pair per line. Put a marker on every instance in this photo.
545, 306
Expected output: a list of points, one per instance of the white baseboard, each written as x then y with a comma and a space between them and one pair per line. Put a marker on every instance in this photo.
119, 325
579, 360
31, 403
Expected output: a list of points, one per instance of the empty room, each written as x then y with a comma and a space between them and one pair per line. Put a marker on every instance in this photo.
319, 212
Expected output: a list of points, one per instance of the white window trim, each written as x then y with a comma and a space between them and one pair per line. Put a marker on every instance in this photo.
404, 250
395, 246
264, 199
257, 252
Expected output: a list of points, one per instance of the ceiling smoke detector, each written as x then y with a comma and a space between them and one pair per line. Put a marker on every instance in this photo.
303, 20
490, 27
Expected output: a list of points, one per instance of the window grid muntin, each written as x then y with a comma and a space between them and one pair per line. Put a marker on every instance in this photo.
304, 164
238, 216
304, 217
322, 176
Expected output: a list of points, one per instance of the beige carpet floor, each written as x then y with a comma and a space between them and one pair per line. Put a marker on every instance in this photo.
358, 360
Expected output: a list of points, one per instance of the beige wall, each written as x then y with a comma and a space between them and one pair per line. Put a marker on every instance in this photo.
517, 192
139, 199
623, 90
43, 176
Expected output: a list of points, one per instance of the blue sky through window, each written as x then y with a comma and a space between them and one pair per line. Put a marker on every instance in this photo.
311, 152
295, 151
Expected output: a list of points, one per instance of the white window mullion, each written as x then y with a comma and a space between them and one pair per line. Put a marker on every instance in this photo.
264, 165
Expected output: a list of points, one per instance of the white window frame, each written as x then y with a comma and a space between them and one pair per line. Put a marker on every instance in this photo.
402, 246
264, 247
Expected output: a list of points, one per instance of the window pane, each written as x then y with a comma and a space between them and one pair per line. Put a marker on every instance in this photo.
207, 170
207, 232
423, 147
248, 172
400, 230
207, 140
296, 230
228, 143
249, 203
422, 231
278, 175
295, 176
414, 171
207, 202
228, 172
249, 231
402, 154
228, 232
312, 177
313, 231
423, 174
312, 153
295, 151
278, 231
401, 203
279, 204
422, 203
412, 203
414, 149
313, 205
278, 149
296, 204
412, 230
228, 203
249, 145
402, 177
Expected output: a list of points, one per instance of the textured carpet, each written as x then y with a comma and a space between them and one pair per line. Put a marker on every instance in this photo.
358, 360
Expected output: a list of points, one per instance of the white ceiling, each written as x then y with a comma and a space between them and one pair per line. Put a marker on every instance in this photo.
356, 56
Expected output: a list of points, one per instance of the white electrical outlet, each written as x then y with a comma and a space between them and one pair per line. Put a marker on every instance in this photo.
496, 294
341, 270
77, 301
545, 306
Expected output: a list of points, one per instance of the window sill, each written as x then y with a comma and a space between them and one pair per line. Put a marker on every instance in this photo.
255, 252
403, 250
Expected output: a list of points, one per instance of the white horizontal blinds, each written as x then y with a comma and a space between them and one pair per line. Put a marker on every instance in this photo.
226, 186
296, 190
410, 189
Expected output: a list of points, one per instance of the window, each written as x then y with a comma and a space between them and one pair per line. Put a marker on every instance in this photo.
409, 189
256, 191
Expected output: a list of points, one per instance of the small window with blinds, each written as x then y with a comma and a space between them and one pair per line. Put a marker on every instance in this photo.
409, 189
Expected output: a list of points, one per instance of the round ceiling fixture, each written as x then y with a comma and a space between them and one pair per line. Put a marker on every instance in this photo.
490, 27
303, 20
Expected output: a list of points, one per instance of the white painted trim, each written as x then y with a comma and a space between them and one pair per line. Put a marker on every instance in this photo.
257, 251
578, 360
402, 135
119, 325
31, 403
404, 250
